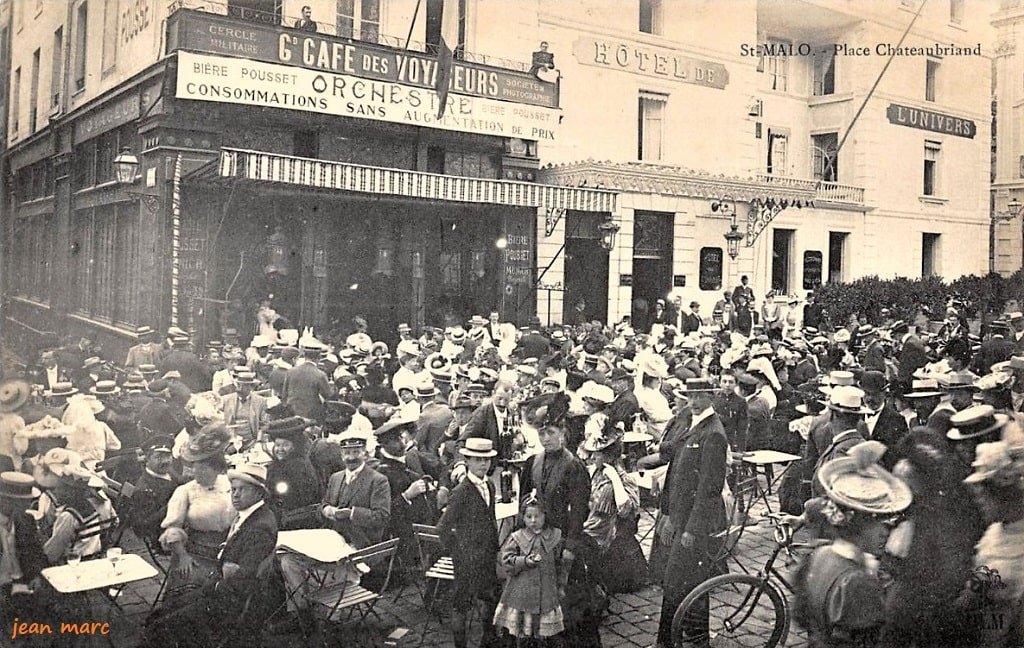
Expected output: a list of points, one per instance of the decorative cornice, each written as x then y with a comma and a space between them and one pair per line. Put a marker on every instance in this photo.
643, 177
1004, 48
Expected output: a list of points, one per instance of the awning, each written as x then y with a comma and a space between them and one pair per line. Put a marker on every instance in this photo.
325, 174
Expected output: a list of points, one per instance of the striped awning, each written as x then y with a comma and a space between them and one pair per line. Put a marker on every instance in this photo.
325, 174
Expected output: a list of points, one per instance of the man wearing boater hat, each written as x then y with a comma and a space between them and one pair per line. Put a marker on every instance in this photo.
846, 404
21, 554
146, 351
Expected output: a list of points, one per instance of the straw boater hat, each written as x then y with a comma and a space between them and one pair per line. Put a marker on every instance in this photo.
61, 390
848, 400
960, 380
974, 422
697, 386
18, 486
13, 394
483, 448
148, 369
105, 388
924, 388
857, 482
134, 381
250, 474
837, 379
842, 335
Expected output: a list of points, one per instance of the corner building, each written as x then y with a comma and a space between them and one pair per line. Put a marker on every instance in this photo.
311, 165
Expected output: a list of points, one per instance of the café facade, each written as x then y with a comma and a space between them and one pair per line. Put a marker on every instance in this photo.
253, 161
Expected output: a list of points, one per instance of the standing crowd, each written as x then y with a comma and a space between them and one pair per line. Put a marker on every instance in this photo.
910, 470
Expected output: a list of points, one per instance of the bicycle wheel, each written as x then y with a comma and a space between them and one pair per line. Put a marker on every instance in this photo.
741, 611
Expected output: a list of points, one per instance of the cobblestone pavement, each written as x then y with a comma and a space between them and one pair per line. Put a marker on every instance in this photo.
632, 620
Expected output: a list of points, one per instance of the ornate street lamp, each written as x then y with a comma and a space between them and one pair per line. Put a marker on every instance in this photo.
608, 230
126, 167
733, 238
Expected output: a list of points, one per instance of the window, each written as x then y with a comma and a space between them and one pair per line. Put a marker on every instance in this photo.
104, 244
55, 67
932, 153
267, 12
106, 151
83, 165
710, 268
778, 147
33, 97
650, 16
836, 256
825, 156
775, 64
306, 144
31, 257
956, 11
782, 249
929, 254
650, 116
81, 22
15, 100
471, 164
824, 73
360, 19
109, 55
931, 70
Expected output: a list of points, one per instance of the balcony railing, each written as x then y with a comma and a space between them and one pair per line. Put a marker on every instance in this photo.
824, 191
367, 31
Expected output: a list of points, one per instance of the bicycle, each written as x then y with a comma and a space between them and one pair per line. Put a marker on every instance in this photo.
741, 609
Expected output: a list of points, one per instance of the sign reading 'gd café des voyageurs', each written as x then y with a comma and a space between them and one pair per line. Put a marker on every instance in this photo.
285, 68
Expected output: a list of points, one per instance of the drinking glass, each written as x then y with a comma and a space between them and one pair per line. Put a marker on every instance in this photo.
114, 556
74, 556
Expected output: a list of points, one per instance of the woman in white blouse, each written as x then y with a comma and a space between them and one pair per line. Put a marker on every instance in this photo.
199, 512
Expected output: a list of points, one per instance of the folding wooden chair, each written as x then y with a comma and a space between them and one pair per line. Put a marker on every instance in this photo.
342, 595
438, 569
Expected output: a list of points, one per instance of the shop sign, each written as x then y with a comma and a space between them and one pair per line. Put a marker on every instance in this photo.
325, 53
238, 81
518, 260
625, 280
108, 117
649, 61
931, 121
812, 269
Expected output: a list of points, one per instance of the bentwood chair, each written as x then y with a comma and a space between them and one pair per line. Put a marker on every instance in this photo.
336, 596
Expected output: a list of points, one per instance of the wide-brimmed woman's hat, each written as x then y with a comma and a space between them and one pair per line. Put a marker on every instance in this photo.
608, 437
857, 482
998, 463
18, 486
14, 394
974, 422
546, 410
250, 474
478, 448
64, 465
209, 442
596, 392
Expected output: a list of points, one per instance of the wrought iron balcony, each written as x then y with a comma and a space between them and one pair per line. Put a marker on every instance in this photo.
824, 191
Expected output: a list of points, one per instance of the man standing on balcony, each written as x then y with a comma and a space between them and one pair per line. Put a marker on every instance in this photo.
306, 23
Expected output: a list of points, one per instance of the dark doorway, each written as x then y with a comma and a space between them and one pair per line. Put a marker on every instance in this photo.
586, 279
652, 264
782, 247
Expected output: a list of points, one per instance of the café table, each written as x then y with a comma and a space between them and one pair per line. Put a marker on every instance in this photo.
758, 460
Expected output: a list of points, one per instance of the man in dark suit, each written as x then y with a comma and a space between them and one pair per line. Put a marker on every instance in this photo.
306, 387
872, 355
913, 354
732, 410
491, 421
995, 349
742, 320
1017, 334
696, 510
533, 344
215, 616
196, 375
886, 424
692, 321
357, 505
470, 534
50, 373
153, 489
759, 416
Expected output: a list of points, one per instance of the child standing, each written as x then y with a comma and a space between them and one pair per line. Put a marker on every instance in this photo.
530, 607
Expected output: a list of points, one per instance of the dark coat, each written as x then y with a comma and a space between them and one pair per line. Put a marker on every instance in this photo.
696, 477
759, 424
197, 376
873, 357
732, 410
430, 427
742, 321
623, 408
533, 345
889, 429
691, 322
992, 351
566, 493
469, 532
483, 424
293, 483
369, 497
149, 504
247, 548
305, 389
913, 356
421, 510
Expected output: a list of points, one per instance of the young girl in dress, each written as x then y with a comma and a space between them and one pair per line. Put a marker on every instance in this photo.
530, 608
